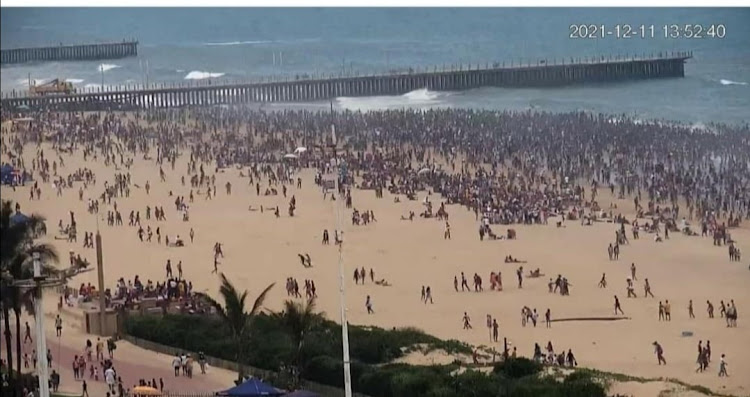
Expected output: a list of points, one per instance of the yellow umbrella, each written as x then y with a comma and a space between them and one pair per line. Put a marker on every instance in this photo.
146, 391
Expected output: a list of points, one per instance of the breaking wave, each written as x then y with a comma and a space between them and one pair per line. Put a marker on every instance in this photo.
199, 75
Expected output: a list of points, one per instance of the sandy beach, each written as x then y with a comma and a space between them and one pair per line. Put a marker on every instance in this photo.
260, 249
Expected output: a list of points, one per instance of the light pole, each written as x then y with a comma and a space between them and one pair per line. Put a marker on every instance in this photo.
41, 337
342, 296
37, 283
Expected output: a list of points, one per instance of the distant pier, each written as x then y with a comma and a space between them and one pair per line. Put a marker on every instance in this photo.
541, 74
82, 52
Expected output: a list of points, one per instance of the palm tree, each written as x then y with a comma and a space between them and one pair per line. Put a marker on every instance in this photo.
233, 314
17, 238
299, 319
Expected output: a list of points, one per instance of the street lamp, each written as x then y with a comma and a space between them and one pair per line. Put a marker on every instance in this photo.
37, 283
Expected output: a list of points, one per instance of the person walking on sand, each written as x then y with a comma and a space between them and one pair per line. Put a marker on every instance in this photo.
176, 364
691, 314
647, 289
467, 321
659, 353
27, 334
617, 306
447, 233
723, 367
667, 311
428, 295
368, 304
603, 281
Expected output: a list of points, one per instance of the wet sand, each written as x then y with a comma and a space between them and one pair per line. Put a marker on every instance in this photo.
260, 249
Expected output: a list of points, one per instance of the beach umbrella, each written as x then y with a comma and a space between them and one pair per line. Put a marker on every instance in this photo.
290, 156
145, 391
251, 388
300, 149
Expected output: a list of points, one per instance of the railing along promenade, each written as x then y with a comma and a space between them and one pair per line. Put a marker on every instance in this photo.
319, 88
80, 52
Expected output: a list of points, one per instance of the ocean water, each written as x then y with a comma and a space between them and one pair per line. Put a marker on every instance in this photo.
186, 45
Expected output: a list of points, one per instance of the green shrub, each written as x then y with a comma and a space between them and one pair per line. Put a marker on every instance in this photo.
516, 368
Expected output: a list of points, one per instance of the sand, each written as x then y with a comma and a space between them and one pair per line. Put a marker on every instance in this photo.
261, 249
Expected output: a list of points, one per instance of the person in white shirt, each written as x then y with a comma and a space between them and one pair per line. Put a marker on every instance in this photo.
176, 364
109, 377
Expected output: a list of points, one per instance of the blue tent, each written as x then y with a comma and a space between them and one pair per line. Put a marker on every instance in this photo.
251, 388
17, 218
6, 173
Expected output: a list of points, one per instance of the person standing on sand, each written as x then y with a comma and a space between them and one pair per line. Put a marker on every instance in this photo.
455, 283
667, 311
548, 318
710, 309
58, 326
447, 233
192, 235
519, 273
617, 306
659, 353
691, 314
632, 272
495, 328
216, 265
368, 304
428, 295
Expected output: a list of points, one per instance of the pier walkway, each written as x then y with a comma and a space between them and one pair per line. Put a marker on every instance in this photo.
321, 88
82, 52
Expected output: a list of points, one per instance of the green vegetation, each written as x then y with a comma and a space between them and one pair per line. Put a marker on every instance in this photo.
274, 346
300, 343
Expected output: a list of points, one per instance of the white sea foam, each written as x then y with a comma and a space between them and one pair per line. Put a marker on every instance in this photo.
730, 82
104, 67
199, 75
246, 42
421, 98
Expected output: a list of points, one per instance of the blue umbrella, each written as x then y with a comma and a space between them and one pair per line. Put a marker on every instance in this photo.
251, 388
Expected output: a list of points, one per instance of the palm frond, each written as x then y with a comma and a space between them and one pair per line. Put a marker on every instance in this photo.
216, 305
260, 299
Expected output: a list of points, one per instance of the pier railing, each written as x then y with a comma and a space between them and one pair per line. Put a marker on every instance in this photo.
316, 87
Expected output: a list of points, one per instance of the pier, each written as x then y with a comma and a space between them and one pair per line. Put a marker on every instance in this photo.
319, 88
83, 52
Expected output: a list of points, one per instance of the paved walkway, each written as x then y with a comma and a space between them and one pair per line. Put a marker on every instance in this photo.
132, 363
